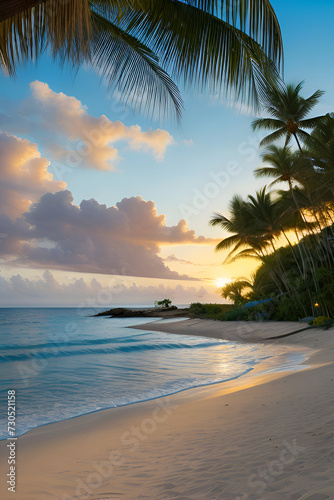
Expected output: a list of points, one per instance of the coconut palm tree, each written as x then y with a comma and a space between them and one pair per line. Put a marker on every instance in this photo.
288, 112
243, 289
136, 44
246, 237
257, 224
286, 166
281, 164
268, 216
320, 149
234, 289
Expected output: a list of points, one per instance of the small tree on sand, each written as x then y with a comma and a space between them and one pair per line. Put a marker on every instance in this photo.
163, 303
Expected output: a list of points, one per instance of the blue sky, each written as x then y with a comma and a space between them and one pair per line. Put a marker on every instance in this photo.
210, 137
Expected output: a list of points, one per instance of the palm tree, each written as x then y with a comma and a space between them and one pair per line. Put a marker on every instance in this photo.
245, 236
134, 43
281, 164
288, 111
257, 286
286, 166
233, 291
270, 220
257, 224
320, 149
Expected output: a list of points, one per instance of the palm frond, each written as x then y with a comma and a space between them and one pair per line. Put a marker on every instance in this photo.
228, 242
273, 137
267, 124
230, 44
219, 219
301, 134
309, 103
131, 68
28, 27
257, 18
311, 122
267, 172
236, 247
247, 253
204, 50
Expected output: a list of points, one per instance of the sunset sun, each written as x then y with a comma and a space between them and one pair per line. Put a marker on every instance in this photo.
220, 282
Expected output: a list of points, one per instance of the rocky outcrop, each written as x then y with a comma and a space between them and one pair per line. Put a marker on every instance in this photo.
154, 312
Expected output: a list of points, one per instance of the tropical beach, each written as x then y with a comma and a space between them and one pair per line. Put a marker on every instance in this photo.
265, 435
166, 250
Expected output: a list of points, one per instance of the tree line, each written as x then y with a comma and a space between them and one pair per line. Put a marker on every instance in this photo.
289, 231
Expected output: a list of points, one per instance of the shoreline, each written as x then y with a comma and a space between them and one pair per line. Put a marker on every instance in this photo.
87, 439
231, 383
236, 331
179, 326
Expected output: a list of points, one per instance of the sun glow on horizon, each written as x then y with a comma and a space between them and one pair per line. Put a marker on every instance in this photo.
220, 282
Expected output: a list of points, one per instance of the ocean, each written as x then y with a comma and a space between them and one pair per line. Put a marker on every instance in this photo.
63, 363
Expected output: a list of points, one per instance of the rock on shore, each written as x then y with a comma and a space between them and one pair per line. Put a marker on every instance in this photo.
154, 312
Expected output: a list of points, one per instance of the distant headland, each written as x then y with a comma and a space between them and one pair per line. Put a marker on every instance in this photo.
149, 312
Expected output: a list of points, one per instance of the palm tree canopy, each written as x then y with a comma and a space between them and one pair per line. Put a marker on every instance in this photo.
281, 164
320, 144
234, 289
253, 223
136, 44
267, 214
288, 112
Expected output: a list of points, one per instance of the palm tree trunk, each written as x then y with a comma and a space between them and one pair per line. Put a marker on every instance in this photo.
292, 250
291, 292
298, 143
303, 275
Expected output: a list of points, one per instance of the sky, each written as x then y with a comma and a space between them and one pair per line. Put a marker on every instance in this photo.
101, 205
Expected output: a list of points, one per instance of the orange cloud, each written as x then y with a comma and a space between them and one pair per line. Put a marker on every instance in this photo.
89, 140
24, 175
125, 239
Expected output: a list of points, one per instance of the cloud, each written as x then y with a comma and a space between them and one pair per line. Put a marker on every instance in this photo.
24, 175
173, 258
40, 226
74, 137
124, 239
47, 291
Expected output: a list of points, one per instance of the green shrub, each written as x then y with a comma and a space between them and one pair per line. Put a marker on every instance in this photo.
319, 321
197, 308
210, 311
240, 314
328, 323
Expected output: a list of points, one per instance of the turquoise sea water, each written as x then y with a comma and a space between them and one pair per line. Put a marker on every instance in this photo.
63, 363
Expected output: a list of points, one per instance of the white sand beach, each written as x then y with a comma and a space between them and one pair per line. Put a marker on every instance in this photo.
266, 436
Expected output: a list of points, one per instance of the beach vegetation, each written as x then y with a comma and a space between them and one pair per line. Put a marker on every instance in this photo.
327, 324
210, 311
320, 320
288, 113
163, 303
290, 232
236, 291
